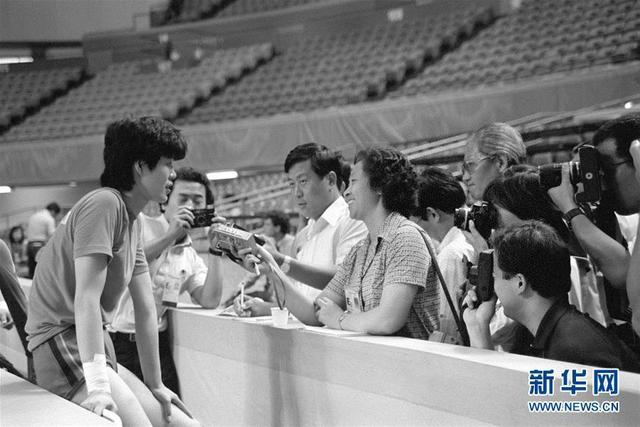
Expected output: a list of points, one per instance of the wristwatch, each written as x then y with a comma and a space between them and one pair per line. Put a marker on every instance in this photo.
286, 264
569, 215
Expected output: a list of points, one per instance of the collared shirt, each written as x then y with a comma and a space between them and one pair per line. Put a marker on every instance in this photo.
453, 253
41, 226
327, 241
568, 335
177, 262
398, 257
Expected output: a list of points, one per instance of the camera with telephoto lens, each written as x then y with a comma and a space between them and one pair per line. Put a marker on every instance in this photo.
483, 214
481, 276
585, 171
232, 238
203, 217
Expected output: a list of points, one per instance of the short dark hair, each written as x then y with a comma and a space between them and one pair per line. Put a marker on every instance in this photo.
391, 173
53, 207
440, 190
279, 219
535, 250
521, 194
144, 139
323, 160
623, 130
189, 174
345, 173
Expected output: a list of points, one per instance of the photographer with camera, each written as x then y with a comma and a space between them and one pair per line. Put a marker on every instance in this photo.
510, 200
488, 153
622, 195
532, 276
175, 268
519, 197
439, 195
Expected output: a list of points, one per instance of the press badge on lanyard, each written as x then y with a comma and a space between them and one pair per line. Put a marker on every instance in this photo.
354, 300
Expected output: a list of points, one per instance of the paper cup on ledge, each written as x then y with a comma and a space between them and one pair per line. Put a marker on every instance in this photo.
280, 317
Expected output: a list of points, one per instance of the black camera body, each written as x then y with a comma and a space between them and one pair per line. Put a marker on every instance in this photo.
483, 214
585, 171
203, 217
481, 276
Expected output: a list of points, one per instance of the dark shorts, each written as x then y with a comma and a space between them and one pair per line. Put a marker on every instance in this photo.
57, 363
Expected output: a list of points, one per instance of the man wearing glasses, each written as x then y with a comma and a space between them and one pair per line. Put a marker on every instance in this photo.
614, 144
489, 151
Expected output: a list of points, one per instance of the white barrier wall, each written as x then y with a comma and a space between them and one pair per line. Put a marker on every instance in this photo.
236, 372
247, 372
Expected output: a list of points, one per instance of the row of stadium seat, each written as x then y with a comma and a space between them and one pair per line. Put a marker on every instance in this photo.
28, 90
351, 66
126, 89
531, 43
346, 68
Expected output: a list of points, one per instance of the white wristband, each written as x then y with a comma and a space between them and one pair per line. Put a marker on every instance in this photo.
95, 374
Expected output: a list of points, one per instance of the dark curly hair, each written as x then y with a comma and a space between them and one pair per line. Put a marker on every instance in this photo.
131, 140
391, 173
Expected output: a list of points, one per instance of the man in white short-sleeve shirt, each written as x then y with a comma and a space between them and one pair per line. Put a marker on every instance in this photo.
316, 174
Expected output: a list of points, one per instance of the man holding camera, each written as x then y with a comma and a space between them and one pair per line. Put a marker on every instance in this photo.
531, 274
175, 267
613, 141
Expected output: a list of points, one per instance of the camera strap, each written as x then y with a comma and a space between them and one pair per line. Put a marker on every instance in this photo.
461, 327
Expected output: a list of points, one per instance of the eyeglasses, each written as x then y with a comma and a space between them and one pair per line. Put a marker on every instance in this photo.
611, 167
621, 162
470, 167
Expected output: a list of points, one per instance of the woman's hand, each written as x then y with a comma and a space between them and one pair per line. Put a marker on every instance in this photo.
328, 312
257, 261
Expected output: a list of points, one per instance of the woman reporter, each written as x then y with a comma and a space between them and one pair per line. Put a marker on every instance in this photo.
387, 284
